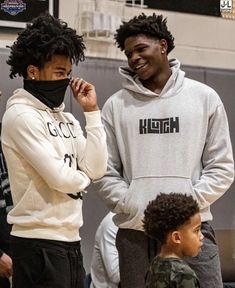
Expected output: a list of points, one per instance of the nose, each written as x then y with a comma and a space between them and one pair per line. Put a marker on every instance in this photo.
134, 57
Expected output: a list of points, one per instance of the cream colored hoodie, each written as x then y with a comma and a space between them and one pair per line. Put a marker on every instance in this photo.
49, 162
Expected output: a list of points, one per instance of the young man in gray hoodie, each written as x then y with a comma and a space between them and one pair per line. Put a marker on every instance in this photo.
166, 133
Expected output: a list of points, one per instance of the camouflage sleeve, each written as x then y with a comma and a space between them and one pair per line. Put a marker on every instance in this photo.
177, 274
186, 281
159, 280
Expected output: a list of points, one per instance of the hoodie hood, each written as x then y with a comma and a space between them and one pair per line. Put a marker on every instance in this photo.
174, 84
21, 96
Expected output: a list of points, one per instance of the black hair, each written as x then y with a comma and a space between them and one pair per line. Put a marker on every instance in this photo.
153, 26
167, 213
40, 40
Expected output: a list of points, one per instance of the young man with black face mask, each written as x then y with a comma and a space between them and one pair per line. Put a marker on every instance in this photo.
165, 133
50, 162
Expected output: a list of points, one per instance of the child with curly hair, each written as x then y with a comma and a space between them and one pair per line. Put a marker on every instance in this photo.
174, 220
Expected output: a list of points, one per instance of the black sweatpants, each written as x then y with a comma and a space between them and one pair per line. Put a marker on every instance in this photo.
136, 251
39, 263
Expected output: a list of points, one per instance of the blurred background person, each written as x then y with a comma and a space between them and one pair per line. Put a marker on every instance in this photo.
5, 228
105, 263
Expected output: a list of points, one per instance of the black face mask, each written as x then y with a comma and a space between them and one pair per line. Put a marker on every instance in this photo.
51, 92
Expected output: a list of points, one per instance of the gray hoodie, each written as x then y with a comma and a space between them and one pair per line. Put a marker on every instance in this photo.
175, 141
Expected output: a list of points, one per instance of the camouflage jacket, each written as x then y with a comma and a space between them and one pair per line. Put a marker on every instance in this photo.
171, 273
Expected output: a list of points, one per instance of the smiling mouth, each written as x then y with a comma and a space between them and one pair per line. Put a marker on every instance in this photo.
140, 66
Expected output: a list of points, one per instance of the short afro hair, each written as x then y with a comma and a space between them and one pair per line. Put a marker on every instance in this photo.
153, 26
167, 213
40, 40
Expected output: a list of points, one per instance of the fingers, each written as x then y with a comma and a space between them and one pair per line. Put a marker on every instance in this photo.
6, 265
7, 272
76, 84
84, 93
79, 85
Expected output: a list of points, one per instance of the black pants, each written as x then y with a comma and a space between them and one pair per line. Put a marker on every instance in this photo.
136, 251
41, 263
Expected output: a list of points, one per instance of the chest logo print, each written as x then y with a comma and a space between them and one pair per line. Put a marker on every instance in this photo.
159, 126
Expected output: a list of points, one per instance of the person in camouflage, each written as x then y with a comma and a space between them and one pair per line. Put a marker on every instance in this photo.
171, 273
174, 220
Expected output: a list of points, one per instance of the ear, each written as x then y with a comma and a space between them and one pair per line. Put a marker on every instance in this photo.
164, 46
33, 72
176, 237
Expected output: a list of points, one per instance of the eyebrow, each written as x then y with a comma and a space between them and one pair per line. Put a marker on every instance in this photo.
63, 69
60, 67
136, 46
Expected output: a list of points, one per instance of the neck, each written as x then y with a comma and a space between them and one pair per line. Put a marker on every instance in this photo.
157, 83
170, 251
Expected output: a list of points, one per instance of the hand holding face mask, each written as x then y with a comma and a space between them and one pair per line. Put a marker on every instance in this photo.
85, 94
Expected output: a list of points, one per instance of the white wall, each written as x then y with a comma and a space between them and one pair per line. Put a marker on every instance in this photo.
204, 41
200, 40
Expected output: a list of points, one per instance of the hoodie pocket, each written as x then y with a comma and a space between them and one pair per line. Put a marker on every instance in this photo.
142, 190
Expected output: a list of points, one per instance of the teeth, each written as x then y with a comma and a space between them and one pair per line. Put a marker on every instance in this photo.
139, 66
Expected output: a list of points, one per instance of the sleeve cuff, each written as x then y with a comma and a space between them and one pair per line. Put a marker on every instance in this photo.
93, 118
